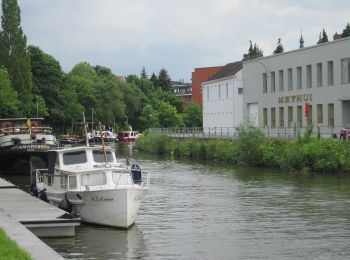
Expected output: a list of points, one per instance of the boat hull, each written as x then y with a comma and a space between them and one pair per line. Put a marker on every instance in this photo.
116, 208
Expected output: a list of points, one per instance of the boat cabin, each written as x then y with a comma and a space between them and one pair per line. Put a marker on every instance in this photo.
127, 136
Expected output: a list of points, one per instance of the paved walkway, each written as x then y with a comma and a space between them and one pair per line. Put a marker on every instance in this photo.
26, 239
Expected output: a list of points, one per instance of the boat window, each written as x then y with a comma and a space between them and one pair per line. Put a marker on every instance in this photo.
99, 157
72, 182
94, 179
74, 158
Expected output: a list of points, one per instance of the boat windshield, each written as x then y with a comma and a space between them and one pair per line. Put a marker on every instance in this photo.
99, 157
74, 158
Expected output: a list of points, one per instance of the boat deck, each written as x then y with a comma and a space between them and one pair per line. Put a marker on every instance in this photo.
42, 218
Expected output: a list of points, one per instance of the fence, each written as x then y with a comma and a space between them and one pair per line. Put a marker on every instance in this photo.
231, 132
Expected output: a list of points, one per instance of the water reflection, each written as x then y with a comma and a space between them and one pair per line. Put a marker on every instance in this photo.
97, 242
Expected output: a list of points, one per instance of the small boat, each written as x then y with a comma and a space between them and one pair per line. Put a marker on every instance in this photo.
128, 136
108, 137
69, 139
22, 139
89, 181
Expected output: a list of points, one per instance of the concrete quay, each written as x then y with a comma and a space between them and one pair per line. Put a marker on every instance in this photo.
25, 218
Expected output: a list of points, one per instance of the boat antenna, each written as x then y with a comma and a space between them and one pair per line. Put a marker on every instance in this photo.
85, 131
103, 143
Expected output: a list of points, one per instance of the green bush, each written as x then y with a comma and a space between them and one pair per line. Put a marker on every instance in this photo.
248, 145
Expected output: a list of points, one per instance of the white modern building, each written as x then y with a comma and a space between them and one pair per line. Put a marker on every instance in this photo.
223, 99
277, 87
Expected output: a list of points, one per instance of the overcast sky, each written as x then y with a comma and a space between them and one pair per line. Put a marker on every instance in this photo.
179, 35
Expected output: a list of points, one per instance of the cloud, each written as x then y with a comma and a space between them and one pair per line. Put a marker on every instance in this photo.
175, 34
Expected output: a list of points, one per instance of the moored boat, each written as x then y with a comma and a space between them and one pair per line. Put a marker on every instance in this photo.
22, 139
128, 136
97, 187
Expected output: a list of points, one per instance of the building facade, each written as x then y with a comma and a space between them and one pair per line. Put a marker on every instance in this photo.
279, 88
183, 91
223, 99
200, 75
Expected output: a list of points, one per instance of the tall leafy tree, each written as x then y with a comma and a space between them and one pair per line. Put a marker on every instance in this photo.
8, 97
144, 73
346, 31
254, 51
323, 37
279, 48
193, 115
164, 80
14, 54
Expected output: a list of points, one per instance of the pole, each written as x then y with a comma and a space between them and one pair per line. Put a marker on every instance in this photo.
92, 120
85, 131
103, 143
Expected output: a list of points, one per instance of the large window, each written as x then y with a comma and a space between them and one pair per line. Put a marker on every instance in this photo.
265, 117
74, 158
319, 74
299, 78
281, 116
226, 90
330, 73
290, 116
273, 117
330, 115
345, 71
264, 83
99, 156
219, 90
308, 76
290, 79
299, 116
281, 80
273, 82
319, 114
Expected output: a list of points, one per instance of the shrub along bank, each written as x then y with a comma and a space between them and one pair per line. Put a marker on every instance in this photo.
252, 147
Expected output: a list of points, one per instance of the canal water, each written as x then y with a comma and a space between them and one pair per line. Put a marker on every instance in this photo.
214, 211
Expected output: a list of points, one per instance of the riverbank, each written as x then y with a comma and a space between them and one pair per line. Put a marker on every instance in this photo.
252, 147
9, 248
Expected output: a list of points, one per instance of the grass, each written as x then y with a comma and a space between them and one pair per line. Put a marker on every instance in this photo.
9, 250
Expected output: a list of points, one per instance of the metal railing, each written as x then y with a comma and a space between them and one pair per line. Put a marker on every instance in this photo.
232, 132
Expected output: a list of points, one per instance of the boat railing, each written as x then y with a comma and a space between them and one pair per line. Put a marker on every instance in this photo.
26, 130
88, 180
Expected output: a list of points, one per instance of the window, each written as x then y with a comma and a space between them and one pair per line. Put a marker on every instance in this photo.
330, 73
93, 179
290, 79
273, 117
345, 71
299, 78
240, 90
265, 117
308, 76
72, 180
290, 116
264, 83
319, 74
319, 114
281, 80
273, 82
74, 158
100, 158
299, 116
310, 115
226, 90
281, 116
330, 115
219, 91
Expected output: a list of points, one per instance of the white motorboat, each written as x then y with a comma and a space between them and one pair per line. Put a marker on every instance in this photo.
98, 187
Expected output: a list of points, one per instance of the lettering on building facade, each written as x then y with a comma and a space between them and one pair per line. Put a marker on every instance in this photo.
295, 98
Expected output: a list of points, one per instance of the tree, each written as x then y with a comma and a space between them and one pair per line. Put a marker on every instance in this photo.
279, 48
346, 31
168, 117
323, 37
164, 80
154, 80
8, 97
143, 73
254, 51
14, 54
148, 118
193, 116
47, 81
